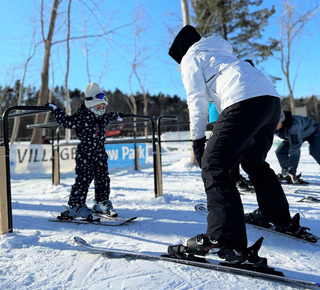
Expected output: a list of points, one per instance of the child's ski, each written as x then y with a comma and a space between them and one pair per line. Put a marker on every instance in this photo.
104, 221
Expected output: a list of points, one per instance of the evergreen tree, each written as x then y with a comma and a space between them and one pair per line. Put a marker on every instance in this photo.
238, 23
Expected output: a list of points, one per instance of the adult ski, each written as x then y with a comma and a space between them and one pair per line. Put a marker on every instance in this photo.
237, 269
104, 221
201, 208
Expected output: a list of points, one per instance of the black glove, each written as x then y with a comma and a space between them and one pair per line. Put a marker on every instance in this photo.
121, 115
198, 149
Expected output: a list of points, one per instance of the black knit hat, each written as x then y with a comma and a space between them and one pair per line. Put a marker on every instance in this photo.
183, 41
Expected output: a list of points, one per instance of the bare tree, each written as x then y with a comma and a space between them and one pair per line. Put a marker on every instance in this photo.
46, 120
185, 12
186, 20
88, 48
292, 25
44, 91
48, 43
5, 91
67, 96
32, 52
10, 77
138, 62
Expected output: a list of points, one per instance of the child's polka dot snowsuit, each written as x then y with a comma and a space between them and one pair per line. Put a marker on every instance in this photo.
91, 156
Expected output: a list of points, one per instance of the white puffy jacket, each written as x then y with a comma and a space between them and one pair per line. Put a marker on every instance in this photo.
210, 73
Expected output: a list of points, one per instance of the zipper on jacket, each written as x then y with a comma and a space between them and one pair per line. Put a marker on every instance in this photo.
211, 78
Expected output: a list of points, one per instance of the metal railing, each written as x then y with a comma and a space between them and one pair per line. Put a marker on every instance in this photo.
31, 110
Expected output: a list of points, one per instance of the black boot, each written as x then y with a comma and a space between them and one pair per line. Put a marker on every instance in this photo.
201, 244
244, 185
256, 218
231, 255
250, 254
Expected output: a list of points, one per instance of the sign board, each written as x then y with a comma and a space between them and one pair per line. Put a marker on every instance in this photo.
37, 158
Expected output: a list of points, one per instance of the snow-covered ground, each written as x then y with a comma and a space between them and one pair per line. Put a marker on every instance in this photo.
42, 255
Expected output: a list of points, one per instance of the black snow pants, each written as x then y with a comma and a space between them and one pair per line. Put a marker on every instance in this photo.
243, 131
91, 163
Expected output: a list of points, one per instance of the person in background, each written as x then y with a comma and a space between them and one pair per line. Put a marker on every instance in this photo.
213, 115
249, 108
295, 130
89, 123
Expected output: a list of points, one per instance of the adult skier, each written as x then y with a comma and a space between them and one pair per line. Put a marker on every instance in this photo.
249, 108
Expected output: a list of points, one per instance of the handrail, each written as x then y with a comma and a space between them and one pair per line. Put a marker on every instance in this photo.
5, 117
47, 126
146, 140
20, 114
159, 147
28, 110
44, 125
154, 150
159, 127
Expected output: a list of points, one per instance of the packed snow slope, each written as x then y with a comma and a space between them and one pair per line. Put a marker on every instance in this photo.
42, 255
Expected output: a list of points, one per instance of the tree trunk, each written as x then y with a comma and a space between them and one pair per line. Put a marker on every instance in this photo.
17, 120
46, 120
67, 96
185, 12
193, 159
134, 109
44, 91
186, 20
292, 24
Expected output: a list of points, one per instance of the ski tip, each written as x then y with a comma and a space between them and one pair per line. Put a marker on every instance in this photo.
260, 240
201, 207
79, 240
258, 243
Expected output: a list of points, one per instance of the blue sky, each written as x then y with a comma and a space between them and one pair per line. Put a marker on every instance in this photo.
158, 69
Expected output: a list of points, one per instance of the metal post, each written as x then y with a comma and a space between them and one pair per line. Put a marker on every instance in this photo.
4, 153
154, 149
136, 157
5, 129
159, 127
48, 126
56, 159
4, 226
159, 157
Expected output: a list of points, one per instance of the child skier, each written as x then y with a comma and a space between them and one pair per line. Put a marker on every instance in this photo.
89, 123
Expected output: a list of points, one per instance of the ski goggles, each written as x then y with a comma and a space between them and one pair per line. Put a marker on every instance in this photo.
98, 96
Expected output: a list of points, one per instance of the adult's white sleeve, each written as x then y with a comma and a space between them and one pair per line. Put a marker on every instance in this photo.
197, 97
